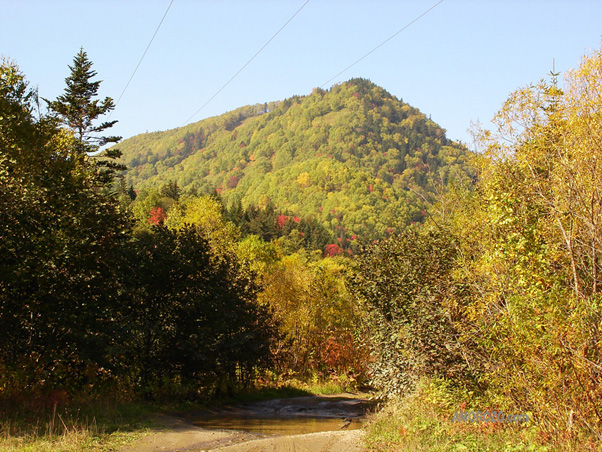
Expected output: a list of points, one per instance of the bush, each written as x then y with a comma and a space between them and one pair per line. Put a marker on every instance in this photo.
405, 284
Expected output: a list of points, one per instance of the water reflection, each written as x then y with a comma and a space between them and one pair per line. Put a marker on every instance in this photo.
278, 426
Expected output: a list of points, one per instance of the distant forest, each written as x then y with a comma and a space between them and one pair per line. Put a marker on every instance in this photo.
356, 160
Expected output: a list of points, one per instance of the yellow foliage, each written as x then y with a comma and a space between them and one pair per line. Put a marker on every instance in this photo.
206, 213
533, 245
314, 312
303, 180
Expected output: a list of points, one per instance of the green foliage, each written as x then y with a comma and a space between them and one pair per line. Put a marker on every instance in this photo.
354, 159
405, 283
58, 245
171, 190
84, 302
146, 200
77, 110
193, 317
291, 232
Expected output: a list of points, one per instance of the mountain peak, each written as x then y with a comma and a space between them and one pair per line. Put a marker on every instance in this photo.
353, 157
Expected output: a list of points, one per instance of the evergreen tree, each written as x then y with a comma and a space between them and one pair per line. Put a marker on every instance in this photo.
78, 110
61, 242
172, 190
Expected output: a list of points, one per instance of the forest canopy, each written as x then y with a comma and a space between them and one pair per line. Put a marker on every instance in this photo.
359, 161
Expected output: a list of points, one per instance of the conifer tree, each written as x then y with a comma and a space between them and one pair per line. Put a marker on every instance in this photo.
78, 109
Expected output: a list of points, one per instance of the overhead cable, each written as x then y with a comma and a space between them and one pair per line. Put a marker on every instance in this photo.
384, 42
144, 54
246, 64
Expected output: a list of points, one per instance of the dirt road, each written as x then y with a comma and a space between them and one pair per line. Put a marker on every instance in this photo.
276, 417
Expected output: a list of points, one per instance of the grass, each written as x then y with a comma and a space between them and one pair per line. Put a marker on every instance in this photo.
423, 422
278, 388
318, 386
32, 425
69, 429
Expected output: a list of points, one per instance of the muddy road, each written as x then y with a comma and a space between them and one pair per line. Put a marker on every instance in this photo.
316, 423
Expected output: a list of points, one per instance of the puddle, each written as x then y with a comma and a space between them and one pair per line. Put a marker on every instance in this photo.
279, 426
293, 416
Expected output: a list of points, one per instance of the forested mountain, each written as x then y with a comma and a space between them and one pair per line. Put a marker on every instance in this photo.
356, 158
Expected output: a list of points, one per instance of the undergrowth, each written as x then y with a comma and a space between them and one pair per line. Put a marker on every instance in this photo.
423, 421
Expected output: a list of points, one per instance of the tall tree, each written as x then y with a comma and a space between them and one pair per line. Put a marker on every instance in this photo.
78, 109
171, 189
60, 250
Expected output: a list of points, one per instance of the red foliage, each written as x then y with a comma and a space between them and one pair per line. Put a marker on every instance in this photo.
296, 219
281, 220
342, 353
232, 182
353, 237
333, 250
370, 188
157, 216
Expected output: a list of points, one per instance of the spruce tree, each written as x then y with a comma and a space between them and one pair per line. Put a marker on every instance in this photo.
78, 110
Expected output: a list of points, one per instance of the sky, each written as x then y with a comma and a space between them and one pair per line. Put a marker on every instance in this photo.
458, 63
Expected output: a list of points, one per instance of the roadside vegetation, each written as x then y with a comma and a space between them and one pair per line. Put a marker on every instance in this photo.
504, 311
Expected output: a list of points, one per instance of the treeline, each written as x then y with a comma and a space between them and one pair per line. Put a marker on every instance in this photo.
497, 295
88, 301
302, 281
291, 232
500, 295
100, 291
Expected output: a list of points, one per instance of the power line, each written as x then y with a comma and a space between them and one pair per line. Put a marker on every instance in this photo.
247, 63
142, 57
384, 42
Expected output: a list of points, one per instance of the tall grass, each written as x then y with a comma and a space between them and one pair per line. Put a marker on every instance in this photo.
97, 425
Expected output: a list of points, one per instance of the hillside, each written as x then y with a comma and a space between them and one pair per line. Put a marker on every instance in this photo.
354, 157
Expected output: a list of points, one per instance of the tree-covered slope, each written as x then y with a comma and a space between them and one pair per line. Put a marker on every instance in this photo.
354, 157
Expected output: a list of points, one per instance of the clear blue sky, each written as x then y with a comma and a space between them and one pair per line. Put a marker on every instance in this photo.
458, 63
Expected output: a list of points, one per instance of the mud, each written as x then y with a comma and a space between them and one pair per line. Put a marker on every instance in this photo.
324, 423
